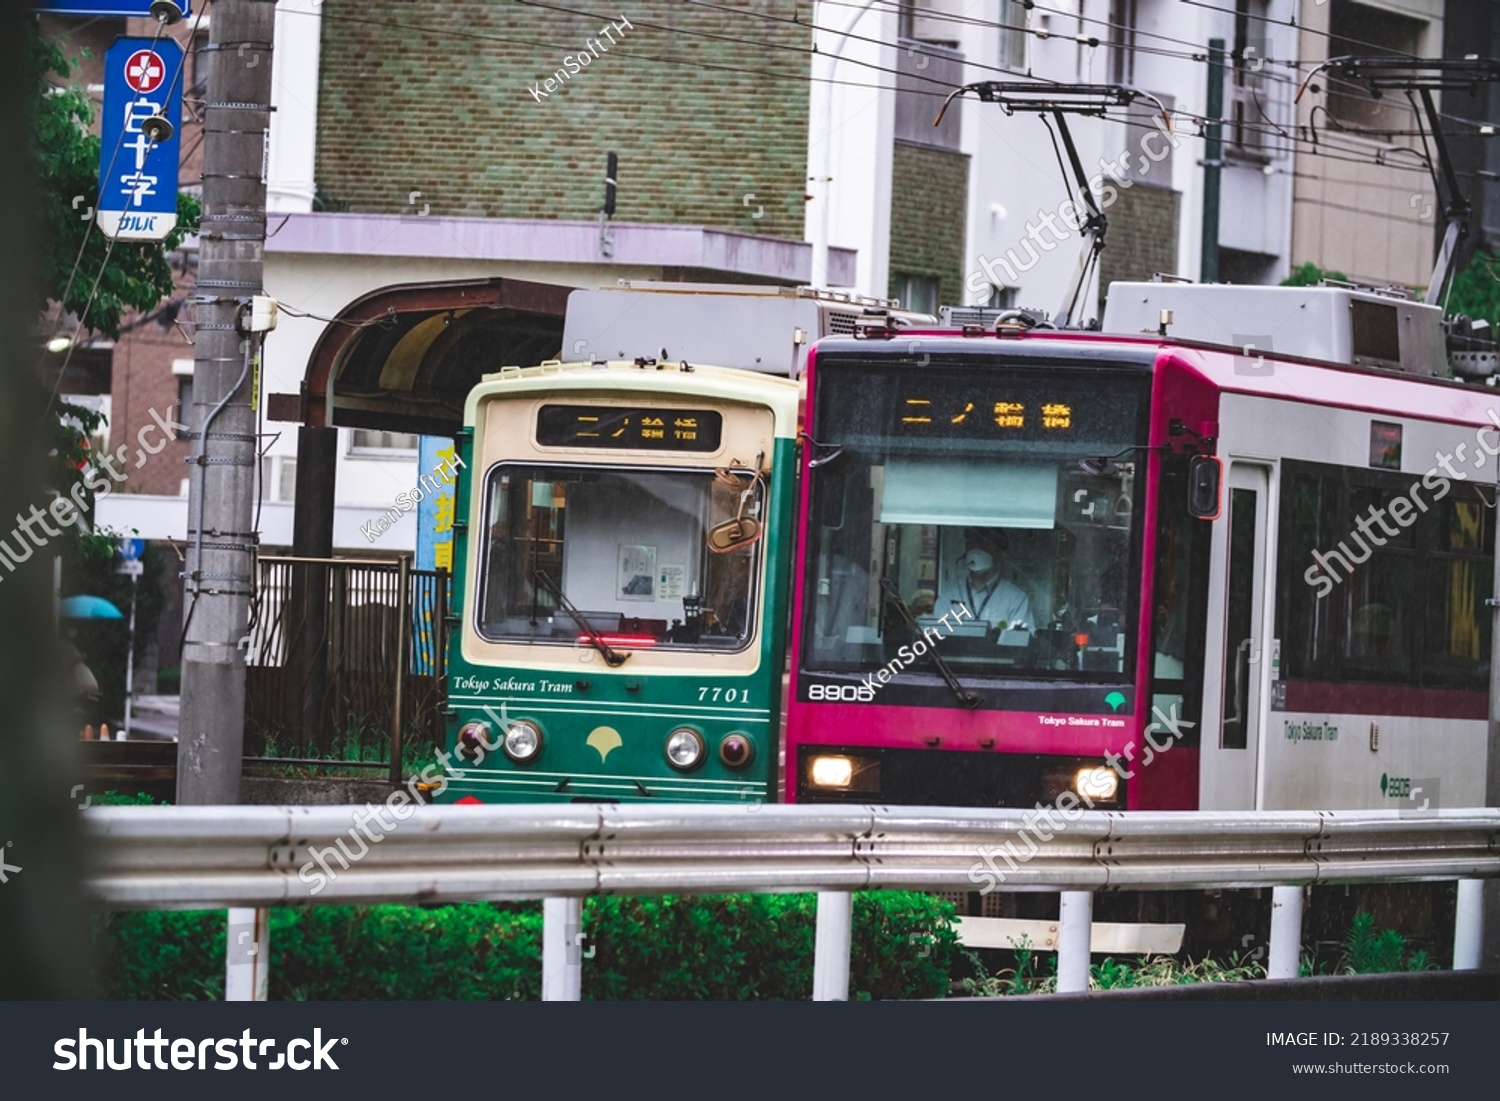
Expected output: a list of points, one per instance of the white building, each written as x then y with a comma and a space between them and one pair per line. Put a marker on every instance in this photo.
1014, 183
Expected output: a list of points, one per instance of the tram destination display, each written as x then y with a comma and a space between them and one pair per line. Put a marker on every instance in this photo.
617, 428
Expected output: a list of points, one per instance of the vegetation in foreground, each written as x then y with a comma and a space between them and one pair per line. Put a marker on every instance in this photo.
718, 948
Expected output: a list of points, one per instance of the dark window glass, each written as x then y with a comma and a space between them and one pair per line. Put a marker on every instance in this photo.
1311, 526
962, 487
1377, 642
1396, 582
1240, 647
1180, 604
630, 550
1460, 578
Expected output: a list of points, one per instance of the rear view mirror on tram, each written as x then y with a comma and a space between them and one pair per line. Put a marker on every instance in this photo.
1205, 482
732, 535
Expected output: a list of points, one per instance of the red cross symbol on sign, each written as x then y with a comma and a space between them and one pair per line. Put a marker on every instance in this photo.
144, 71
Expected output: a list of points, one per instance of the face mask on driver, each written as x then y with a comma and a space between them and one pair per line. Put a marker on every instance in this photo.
977, 561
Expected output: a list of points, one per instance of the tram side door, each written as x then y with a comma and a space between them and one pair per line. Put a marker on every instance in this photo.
1244, 650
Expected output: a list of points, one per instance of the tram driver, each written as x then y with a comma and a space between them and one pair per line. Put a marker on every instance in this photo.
977, 583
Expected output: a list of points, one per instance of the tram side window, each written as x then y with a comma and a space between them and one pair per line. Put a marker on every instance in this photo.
1394, 592
1381, 612
1311, 518
1460, 578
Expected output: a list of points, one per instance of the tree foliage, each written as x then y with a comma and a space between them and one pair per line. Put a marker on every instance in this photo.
130, 275
1476, 290
1310, 275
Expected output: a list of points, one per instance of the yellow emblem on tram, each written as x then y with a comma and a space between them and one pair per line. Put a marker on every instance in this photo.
605, 739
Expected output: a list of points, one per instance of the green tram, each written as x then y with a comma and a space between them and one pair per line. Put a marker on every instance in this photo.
620, 591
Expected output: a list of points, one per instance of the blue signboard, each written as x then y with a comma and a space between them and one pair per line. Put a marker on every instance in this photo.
138, 175
438, 485
131, 549
98, 7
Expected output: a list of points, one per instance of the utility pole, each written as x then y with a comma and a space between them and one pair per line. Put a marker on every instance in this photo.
218, 573
1213, 161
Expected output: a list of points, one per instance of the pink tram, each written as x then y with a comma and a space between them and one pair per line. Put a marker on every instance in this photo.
1234, 551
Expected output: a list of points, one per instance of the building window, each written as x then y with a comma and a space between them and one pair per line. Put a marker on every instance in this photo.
1370, 32
372, 443
1249, 107
1122, 41
278, 478
182, 371
1002, 298
926, 24
918, 293
1012, 34
184, 399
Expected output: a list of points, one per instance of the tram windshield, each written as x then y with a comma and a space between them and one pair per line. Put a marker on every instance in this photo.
965, 492
644, 556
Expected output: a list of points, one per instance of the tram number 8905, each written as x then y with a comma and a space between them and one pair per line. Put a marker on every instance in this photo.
840, 693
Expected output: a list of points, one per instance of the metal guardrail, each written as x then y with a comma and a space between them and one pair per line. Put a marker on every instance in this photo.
147, 857
256, 857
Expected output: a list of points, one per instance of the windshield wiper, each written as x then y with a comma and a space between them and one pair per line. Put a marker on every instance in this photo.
964, 696
612, 657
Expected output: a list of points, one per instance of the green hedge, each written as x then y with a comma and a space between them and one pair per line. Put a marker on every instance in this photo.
730, 947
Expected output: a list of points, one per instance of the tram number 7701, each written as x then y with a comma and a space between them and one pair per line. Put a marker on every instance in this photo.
724, 695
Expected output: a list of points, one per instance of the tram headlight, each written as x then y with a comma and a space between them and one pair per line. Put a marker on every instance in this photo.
737, 750
523, 741
831, 772
684, 748
1097, 783
842, 772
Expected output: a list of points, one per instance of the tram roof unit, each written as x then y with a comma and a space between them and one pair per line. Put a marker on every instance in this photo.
644, 376
1350, 325
753, 328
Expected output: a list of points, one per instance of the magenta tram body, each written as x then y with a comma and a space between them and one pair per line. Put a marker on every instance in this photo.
1154, 650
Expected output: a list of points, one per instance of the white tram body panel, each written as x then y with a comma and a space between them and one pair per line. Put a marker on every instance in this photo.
1330, 759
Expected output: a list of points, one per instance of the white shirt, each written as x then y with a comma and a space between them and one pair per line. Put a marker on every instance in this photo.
999, 601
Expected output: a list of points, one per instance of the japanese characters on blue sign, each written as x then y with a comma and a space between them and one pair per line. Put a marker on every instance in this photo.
138, 176
434, 539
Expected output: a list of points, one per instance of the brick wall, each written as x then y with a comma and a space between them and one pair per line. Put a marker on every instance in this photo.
929, 207
143, 382
1142, 236
442, 106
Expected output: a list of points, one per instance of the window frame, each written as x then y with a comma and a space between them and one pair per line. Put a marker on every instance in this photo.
1329, 661
366, 451
754, 593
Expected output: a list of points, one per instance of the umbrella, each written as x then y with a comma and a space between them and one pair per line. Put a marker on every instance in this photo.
89, 607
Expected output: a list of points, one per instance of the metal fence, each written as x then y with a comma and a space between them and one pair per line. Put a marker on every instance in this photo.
346, 656
250, 858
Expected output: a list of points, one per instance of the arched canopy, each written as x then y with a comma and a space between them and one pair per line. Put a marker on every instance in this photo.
404, 357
